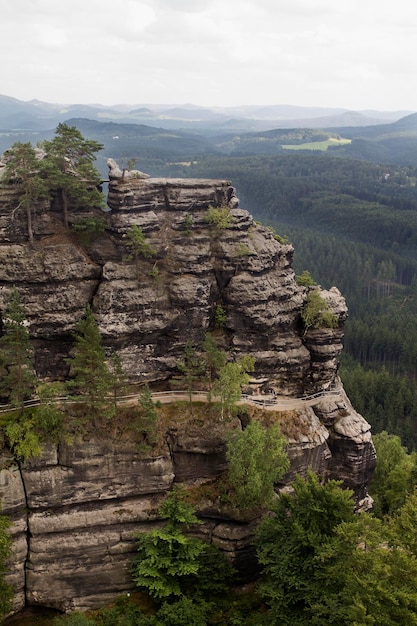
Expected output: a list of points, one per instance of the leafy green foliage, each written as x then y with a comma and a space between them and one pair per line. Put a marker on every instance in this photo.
91, 378
257, 459
24, 170
220, 317
305, 279
6, 594
137, 244
167, 558
23, 438
49, 417
219, 217
188, 223
191, 367
316, 312
395, 476
325, 565
17, 380
172, 566
148, 416
228, 386
184, 612
89, 228
69, 169
213, 359
289, 543
370, 575
123, 613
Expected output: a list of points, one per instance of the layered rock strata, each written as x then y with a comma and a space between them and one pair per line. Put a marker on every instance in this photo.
75, 510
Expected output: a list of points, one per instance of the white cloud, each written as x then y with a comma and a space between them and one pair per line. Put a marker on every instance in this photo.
356, 53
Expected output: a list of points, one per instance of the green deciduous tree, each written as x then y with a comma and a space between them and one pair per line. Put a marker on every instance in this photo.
69, 169
183, 612
91, 378
228, 386
289, 543
257, 459
24, 170
368, 576
395, 476
325, 565
220, 317
23, 438
17, 380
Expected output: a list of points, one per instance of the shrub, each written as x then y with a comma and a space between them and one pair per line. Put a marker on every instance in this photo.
219, 217
316, 312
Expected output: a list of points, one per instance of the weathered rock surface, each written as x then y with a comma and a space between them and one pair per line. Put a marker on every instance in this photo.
76, 509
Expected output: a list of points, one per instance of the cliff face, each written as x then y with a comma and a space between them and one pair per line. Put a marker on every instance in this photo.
76, 508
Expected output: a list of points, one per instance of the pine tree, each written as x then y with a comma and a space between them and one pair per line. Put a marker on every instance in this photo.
214, 360
167, 558
92, 379
24, 170
148, 422
192, 368
69, 168
17, 380
119, 379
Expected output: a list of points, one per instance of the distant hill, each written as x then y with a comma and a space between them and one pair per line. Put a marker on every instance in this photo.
37, 115
157, 135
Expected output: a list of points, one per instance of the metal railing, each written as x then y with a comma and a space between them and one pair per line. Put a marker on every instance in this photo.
267, 400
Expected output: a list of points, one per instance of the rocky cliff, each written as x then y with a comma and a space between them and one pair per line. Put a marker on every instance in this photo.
75, 509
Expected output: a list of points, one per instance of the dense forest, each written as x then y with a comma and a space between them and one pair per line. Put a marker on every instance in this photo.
354, 225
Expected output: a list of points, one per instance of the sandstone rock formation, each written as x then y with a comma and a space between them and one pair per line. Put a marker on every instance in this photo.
75, 509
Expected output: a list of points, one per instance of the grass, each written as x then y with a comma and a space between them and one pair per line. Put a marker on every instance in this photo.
317, 145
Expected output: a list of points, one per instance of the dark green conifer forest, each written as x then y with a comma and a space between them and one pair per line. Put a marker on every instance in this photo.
353, 224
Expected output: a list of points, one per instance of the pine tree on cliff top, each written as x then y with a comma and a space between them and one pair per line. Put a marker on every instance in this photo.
69, 168
23, 170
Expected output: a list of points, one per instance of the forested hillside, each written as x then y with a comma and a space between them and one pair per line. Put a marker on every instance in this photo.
354, 225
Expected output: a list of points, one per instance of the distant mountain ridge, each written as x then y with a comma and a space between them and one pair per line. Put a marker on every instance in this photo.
160, 135
37, 115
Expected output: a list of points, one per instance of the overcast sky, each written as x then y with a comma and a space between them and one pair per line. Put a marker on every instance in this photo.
357, 54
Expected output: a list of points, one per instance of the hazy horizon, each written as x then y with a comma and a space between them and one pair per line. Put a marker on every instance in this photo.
354, 55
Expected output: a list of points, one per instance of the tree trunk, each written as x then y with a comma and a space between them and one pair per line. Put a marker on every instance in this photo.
29, 223
64, 202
